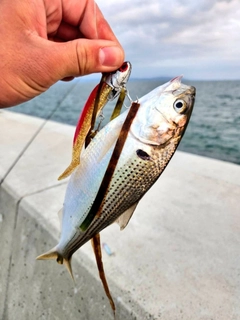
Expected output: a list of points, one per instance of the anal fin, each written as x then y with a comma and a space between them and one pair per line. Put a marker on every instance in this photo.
126, 216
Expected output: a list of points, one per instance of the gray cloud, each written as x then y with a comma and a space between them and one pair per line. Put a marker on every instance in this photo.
200, 39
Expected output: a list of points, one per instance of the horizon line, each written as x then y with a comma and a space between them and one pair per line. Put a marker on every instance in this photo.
160, 78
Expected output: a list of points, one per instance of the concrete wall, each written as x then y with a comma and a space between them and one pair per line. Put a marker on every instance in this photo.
179, 257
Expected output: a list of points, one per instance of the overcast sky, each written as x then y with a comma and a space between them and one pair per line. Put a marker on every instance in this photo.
197, 38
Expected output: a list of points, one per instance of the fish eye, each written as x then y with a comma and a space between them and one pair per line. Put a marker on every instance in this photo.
180, 106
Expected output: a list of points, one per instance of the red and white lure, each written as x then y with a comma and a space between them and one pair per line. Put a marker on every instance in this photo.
110, 87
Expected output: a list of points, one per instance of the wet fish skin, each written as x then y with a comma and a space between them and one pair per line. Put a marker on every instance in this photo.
152, 140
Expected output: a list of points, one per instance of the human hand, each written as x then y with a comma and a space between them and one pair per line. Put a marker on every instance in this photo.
43, 41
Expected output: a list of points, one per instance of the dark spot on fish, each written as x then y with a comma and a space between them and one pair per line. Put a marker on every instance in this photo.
143, 155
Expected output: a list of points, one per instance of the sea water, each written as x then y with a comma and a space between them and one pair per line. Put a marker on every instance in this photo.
213, 131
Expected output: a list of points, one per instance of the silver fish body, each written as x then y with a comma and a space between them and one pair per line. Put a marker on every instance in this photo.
151, 142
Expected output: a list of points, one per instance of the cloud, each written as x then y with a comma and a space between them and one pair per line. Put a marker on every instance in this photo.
201, 38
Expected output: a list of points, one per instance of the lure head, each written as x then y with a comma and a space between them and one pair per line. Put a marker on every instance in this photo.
118, 79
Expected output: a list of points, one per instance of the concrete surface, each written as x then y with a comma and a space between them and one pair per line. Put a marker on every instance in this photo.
178, 258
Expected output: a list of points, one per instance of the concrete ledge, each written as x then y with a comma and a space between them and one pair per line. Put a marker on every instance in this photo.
178, 258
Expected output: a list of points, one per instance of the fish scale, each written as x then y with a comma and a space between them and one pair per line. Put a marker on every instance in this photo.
124, 194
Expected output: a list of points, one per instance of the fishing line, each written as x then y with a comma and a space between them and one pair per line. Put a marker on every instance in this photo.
36, 134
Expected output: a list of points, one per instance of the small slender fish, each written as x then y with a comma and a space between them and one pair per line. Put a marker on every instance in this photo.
113, 84
154, 135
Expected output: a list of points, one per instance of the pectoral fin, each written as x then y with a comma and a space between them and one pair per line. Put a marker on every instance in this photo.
126, 216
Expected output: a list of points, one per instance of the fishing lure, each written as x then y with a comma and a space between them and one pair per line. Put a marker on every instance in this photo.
110, 87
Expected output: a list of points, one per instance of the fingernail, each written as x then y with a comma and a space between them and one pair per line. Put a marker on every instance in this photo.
109, 56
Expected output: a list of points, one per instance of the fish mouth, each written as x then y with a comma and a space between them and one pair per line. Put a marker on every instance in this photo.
191, 91
185, 90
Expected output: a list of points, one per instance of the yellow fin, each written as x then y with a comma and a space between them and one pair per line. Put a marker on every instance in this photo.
54, 254
126, 216
86, 125
69, 169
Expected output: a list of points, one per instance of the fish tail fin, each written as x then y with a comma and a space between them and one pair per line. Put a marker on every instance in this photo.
68, 265
65, 174
54, 254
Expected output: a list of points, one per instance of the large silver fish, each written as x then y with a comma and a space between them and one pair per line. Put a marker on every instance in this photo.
153, 137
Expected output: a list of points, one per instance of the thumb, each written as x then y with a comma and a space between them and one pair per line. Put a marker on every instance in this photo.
83, 56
